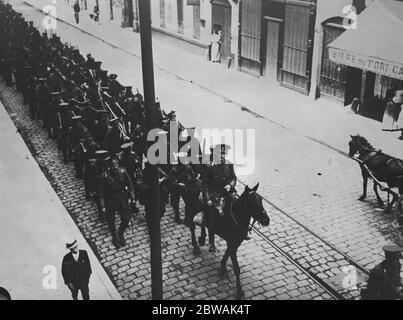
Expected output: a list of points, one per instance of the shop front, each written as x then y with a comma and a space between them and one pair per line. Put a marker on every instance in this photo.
370, 58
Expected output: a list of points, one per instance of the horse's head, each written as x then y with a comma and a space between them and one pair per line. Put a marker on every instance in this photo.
357, 144
253, 203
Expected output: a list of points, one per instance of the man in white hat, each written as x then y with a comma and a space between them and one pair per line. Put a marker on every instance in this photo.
76, 270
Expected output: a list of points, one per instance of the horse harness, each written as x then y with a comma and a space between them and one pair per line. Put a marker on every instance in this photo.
250, 226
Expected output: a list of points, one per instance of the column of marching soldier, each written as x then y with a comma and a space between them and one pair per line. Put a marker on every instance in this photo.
100, 125
97, 123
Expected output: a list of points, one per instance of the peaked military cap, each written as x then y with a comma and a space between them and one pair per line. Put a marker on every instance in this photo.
113, 76
392, 251
75, 118
102, 154
126, 145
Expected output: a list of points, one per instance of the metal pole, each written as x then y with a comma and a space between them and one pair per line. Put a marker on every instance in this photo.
153, 212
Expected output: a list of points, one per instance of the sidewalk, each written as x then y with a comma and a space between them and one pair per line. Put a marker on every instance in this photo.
323, 120
34, 227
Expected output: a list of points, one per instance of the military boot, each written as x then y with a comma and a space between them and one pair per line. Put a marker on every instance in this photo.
122, 239
177, 218
115, 241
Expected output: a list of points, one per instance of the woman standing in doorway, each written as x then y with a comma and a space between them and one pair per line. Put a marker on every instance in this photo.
216, 46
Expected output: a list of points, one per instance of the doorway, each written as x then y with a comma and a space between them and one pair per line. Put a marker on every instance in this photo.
221, 20
272, 54
353, 85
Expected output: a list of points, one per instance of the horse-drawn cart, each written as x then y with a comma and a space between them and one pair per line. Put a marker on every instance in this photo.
398, 209
381, 185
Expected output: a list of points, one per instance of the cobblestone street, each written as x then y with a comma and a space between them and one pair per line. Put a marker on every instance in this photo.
310, 189
266, 273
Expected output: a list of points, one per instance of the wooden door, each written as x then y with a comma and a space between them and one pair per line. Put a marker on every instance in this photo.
272, 49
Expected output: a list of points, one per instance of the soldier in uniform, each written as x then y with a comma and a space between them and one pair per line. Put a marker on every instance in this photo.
144, 191
91, 147
184, 182
101, 166
132, 163
219, 182
100, 126
64, 116
384, 281
43, 98
75, 138
113, 138
114, 86
139, 140
50, 114
115, 192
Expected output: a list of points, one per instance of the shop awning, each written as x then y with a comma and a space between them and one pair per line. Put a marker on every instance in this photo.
376, 44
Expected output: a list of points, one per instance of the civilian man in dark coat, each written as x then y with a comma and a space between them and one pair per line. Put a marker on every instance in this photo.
76, 8
76, 271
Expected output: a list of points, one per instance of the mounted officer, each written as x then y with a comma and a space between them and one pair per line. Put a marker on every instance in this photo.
115, 192
218, 188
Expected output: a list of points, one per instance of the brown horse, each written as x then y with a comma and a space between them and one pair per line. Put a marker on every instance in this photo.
234, 227
385, 168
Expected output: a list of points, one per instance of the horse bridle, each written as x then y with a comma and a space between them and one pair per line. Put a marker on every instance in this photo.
250, 226
374, 151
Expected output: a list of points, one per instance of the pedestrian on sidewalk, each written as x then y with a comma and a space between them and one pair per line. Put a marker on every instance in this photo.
76, 271
215, 46
96, 14
76, 8
392, 112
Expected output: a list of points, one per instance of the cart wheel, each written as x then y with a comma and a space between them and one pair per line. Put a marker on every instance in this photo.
398, 213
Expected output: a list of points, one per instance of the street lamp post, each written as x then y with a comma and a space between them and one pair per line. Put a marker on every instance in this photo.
153, 210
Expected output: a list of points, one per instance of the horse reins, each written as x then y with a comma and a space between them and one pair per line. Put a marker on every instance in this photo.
250, 226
